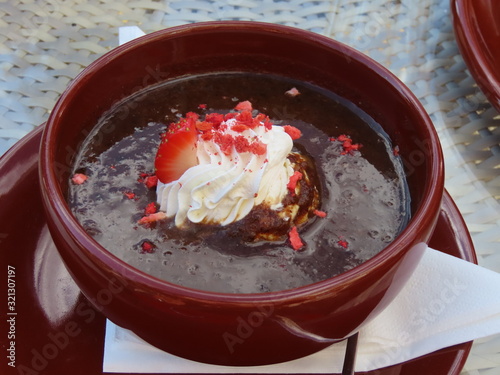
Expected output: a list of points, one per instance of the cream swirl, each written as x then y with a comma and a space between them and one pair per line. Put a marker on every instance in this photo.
226, 183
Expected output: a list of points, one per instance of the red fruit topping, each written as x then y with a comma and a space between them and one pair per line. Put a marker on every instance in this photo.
292, 131
244, 106
129, 194
79, 178
295, 241
292, 183
202, 106
347, 144
245, 118
258, 148
153, 217
150, 208
177, 150
239, 128
343, 243
204, 125
292, 92
319, 213
225, 142
207, 136
262, 119
214, 118
241, 144
151, 181
230, 115
342, 138
147, 247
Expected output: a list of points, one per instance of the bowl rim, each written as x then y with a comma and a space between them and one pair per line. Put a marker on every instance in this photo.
53, 196
476, 45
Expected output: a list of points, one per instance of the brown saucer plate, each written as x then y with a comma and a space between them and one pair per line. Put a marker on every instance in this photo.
55, 330
477, 30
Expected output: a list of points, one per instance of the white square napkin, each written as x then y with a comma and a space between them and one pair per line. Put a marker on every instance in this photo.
447, 301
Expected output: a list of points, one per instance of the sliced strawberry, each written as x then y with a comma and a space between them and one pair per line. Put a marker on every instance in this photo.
177, 150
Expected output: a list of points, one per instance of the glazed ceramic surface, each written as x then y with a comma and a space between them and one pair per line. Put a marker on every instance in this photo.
477, 29
53, 310
264, 328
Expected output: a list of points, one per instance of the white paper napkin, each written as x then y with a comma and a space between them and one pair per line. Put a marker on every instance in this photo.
446, 302
127, 33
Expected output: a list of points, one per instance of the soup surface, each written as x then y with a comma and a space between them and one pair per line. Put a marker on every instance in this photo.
363, 192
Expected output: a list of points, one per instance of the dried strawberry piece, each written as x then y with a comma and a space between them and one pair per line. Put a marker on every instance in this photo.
214, 118
230, 115
347, 145
151, 218
395, 151
225, 142
292, 183
147, 247
142, 177
244, 106
239, 128
295, 240
79, 178
241, 144
342, 138
204, 125
202, 106
258, 148
319, 213
343, 243
129, 194
150, 209
261, 119
207, 136
151, 181
245, 118
292, 131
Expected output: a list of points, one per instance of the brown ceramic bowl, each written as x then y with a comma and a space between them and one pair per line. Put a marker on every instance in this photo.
477, 29
240, 329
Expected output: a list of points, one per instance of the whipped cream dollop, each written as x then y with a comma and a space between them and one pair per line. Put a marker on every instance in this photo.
231, 177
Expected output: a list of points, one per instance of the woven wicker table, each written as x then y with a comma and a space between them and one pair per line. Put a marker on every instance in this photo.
44, 44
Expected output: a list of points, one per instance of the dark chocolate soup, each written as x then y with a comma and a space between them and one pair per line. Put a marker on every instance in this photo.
363, 193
